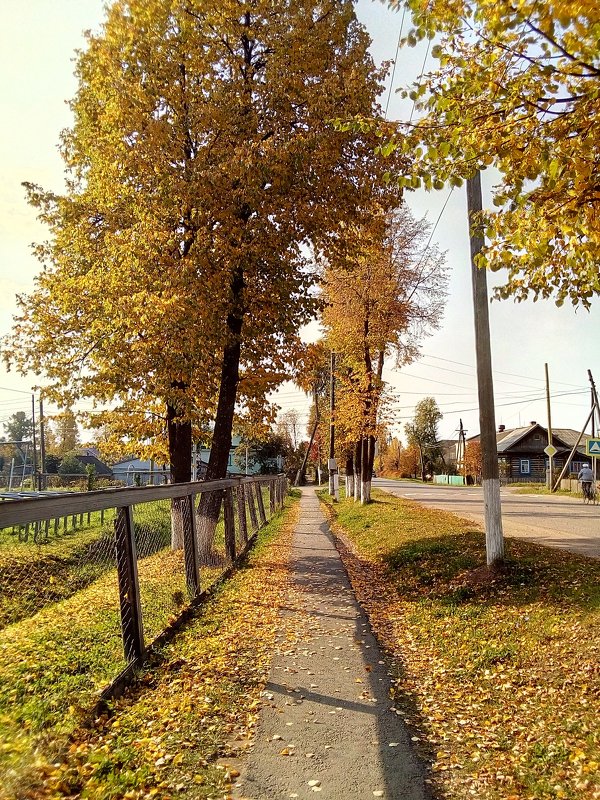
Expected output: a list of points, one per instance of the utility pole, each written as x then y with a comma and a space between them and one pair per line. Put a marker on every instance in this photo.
42, 446
300, 472
332, 463
34, 475
550, 447
494, 539
595, 405
461, 451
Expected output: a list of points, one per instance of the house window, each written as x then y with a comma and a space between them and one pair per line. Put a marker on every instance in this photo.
537, 437
525, 466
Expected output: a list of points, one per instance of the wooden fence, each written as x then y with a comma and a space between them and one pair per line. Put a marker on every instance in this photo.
244, 513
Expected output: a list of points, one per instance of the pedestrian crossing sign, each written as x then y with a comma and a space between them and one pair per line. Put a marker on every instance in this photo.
593, 447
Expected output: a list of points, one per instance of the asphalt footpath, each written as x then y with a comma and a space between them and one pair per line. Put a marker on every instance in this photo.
328, 726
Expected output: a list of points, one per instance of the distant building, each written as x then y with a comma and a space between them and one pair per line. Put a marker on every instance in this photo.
521, 454
89, 456
140, 472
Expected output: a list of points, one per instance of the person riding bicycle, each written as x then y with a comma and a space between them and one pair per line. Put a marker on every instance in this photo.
586, 477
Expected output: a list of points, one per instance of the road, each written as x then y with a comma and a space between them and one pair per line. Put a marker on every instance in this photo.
554, 520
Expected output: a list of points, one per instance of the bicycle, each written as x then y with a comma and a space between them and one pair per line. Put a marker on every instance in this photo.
589, 493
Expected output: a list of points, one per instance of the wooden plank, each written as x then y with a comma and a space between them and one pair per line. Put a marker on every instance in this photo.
229, 525
261, 505
190, 545
248, 489
129, 587
272, 502
241, 509
18, 512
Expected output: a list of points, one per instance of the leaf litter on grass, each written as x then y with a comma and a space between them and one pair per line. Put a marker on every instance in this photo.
192, 710
497, 672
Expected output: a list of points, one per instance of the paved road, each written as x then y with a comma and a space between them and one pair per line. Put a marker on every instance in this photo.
329, 725
558, 521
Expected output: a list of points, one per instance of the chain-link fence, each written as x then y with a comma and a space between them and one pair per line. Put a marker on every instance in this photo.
89, 580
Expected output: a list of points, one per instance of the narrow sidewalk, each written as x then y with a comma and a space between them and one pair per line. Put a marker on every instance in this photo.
328, 726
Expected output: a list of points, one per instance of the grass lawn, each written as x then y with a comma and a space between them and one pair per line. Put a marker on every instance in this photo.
196, 703
497, 674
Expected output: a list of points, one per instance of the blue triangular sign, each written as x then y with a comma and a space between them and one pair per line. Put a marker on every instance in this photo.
595, 447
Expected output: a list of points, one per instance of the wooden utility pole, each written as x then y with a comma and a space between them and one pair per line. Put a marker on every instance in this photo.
332, 464
595, 405
494, 539
34, 475
42, 446
301, 471
549, 482
461, 451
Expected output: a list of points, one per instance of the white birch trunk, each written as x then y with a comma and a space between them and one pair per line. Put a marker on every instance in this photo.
494, 541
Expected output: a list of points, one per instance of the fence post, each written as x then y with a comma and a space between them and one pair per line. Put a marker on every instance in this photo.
190, 545
241, 507
261, 505
282, 487
129, 587
229, 525
248, 491
272, 490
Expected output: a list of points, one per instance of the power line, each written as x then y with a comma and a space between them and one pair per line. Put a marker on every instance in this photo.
395, 62
419, 80
499, 372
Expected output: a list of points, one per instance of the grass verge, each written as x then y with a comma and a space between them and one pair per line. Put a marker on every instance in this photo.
497, 672
194, 705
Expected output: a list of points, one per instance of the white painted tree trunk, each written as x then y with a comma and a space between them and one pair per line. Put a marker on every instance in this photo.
365, 492
356, 487
176, 525
349, 486
494, 540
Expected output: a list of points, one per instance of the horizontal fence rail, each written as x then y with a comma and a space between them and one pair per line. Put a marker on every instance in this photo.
93, 579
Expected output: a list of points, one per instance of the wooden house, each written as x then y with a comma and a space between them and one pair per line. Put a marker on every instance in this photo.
521, 452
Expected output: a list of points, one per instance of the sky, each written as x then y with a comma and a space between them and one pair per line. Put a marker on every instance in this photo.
38, 40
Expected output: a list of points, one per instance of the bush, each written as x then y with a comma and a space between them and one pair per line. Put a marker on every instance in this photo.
71, 465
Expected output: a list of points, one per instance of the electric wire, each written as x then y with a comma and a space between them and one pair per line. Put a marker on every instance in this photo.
394, 67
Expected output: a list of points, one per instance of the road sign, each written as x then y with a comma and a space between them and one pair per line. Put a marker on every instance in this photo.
593, 447
550, 451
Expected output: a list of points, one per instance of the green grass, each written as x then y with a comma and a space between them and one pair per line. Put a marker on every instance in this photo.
168, 730
36, 575
497, 670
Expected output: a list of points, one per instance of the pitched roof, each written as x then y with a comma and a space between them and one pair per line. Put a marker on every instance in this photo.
508, 438
568, 436
101, 467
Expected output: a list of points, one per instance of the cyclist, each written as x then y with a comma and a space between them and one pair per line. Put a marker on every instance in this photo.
586, 476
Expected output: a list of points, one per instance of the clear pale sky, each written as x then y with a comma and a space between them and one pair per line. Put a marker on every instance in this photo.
37, 43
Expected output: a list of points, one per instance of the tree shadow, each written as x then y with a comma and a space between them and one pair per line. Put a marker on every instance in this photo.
452, 569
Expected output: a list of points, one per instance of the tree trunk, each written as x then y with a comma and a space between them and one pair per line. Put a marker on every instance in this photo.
209, 506
301, 474
180, 446
180, 457
366, 472
357, 469
349, 475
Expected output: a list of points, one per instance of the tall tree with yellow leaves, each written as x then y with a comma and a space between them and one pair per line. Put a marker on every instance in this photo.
517, 88
379, 303
201, 162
